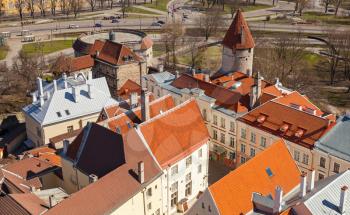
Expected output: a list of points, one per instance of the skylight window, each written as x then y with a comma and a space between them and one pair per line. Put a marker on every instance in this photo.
67, 112
129, 125
59, 114
118, 130
269, 172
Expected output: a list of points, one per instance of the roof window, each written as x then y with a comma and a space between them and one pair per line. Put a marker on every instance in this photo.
59, 114
129, 125
269, 172
261, 119
299, 133
296, 106
67, 112
284, 127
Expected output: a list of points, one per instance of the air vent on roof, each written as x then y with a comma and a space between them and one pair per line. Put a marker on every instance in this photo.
236, 85
296, 106
261, 118
299, 133
310, 111
67, 112
59, 114
269, 172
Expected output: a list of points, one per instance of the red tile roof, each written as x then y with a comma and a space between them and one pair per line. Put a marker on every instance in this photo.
233, 193
117, 54
115, 188
238, 35
97, 46
30, 202
46, 154
129, 87
277, 114
82, 62
176, 133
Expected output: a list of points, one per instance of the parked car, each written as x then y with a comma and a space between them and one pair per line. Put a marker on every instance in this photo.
72, 26
115, 21
98, 25
156, 24
161, 22
185, 16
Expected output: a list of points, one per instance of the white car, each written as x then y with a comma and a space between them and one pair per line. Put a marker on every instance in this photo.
71, 26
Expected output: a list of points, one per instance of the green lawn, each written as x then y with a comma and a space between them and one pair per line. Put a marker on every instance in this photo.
3, 52
211, 58
246, 8
159, 5
139, 10
325, 18
47, 47
158, 49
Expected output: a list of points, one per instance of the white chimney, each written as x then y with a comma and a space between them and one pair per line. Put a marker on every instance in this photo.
41, 101
277, 205
65, 146
206, 77
177, 74
76, 93
145, 115
343, 199
64, 76
90, 75
34, 97
141, 172
133, 99
75, 76
312, 180
40, 86
160, 68
93, 178
90, 91
32, 189
54, 85
52, 201
193, 72
48, 94
303, 185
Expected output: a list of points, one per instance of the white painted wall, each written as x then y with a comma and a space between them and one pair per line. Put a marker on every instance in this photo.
237, 60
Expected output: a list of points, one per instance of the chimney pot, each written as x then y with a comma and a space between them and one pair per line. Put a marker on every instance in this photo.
343, 199
40, 86
65, 146
141, 172
303, 185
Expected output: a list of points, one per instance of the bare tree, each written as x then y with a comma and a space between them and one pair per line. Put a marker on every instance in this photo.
172, 32
64, 6
210, 22
233, 5
337, 5
75, 6
196, 54
19, 5
92, 4
31, 7
102, 2
53, 5
123, 7
2, 5
62, 64
42, 7
326, 4
300, 5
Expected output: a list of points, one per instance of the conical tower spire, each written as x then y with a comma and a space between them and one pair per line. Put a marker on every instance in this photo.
238, 35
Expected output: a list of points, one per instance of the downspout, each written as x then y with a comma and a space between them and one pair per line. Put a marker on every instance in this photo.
144, 201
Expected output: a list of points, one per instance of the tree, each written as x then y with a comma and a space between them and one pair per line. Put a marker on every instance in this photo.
2, 2
300, 5
92, 4
64, 6
234, 6
62, 64
196, 53
338, 3
31, 7
53, 5
326, 4
19, 5
42, 7
123, 7
102, 2
172, 32
210, 22
75, 6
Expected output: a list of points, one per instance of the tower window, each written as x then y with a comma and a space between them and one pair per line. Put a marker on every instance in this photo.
249, 50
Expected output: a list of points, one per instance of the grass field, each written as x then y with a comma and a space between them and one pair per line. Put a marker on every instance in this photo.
47, 47
159, 5
247, 8
211, 58
139, 10
325, 18
3, 52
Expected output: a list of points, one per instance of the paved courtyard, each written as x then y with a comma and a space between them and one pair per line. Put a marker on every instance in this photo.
217, 170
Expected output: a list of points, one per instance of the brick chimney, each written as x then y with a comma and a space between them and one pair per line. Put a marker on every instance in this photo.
141, 172
343, 199
145, 115
302, 185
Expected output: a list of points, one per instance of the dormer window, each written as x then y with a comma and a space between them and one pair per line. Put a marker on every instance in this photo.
299, 133
59, 114
67, 112
284, 127
261, 119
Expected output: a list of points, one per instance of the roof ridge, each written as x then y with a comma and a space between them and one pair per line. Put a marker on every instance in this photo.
167, 112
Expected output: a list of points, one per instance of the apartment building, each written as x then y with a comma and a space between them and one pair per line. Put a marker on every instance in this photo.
332, 151
106, 175
117, 63
64, 105
291, 117
261, 186
179, 141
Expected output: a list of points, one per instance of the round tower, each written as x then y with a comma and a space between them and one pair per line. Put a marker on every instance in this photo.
238, 47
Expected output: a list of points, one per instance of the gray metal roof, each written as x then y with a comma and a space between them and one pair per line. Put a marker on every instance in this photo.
59, 105
326, 200
162, 77
337, 141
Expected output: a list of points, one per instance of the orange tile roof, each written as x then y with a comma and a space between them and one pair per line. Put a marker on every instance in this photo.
46, 154
125, 121
82, 62
233, 193
30, 202
234, 38
117, 54
176, 133
296, 98
97, 46
272, 90
277, 114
